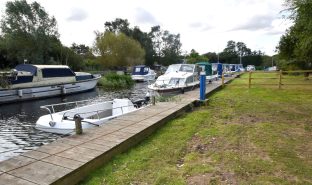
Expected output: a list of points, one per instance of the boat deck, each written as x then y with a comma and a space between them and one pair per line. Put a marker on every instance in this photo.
68, 160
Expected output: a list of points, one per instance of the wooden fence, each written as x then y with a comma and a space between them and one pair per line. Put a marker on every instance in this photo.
280, 79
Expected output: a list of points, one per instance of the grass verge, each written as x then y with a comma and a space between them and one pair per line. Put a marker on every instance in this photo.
260, 135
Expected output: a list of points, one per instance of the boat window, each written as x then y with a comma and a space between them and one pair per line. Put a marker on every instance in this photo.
187, 68
202, 68
137, 69
190, 79
146, 69
176, 81
173, 68
57, 72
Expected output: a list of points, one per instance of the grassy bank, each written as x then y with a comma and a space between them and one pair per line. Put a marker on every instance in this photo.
114, 81
260, 135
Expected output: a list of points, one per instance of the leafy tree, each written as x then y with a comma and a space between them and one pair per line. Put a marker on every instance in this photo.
117, 26
234, 53
295, 47
28, 32
118, 50
194, 57
122, 26
229, 54
212, 56
146, 42
160, 46
82, 50
167, 46
171, 48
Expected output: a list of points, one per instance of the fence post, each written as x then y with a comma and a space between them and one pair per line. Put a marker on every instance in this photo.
222, 79
249, 80
280, 79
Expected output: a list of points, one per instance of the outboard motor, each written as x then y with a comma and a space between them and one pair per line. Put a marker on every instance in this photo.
140, 102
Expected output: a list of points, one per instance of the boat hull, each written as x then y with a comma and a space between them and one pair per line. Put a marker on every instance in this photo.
174, 90
29, 93
92, 115
143, 78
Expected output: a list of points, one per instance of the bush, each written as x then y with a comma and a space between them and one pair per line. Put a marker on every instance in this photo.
114, 81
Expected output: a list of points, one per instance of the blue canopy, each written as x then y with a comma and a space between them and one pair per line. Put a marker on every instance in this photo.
140, 70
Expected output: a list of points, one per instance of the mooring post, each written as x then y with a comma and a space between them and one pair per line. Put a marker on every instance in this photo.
77, 120
153, 100
202, 85
222, 79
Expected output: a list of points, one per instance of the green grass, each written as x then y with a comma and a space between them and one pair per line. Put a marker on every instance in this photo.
113, 81
260, 135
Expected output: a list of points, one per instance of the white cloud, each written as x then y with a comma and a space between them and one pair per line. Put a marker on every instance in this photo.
203, 25
144, 17
77, 15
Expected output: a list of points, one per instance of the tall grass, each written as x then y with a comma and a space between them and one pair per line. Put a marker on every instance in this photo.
113, 81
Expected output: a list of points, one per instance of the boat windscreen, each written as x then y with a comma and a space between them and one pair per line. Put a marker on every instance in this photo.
187, 68
28, 68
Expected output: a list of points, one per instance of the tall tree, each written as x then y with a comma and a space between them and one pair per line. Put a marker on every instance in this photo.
28, 32
194, 57
295, 46
122, 26
229, 54
212, 56
167, 46
118, 50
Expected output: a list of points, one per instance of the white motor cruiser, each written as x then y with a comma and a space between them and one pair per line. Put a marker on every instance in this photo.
142, 73
178, 78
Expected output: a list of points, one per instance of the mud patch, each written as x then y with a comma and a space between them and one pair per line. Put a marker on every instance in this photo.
212, 178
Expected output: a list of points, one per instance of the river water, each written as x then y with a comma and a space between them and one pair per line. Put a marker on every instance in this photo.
17, 120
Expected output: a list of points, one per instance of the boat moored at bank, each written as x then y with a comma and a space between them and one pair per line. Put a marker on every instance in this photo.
26, 82
178, 78
92, 114
142, 73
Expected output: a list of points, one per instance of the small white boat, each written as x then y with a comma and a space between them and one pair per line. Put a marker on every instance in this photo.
142, 73
177, 79
93, 115
28, 81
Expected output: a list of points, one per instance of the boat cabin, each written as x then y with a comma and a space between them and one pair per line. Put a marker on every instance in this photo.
206, 67
40, 75
140, 70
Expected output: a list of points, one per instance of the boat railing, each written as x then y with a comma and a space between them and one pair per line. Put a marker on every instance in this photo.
51, 108
97, 112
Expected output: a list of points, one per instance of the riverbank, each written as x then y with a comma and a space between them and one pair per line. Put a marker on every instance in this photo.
258, 135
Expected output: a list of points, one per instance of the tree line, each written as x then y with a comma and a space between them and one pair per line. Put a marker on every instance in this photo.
29, 35
233, 53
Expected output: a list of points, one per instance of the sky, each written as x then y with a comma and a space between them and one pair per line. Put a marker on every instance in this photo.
203, 25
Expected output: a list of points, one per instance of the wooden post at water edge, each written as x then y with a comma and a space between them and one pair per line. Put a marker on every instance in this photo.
78, 125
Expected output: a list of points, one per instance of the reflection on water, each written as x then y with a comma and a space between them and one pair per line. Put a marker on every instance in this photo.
17, 120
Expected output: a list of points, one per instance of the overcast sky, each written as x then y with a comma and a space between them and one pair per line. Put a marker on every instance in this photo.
204, 25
